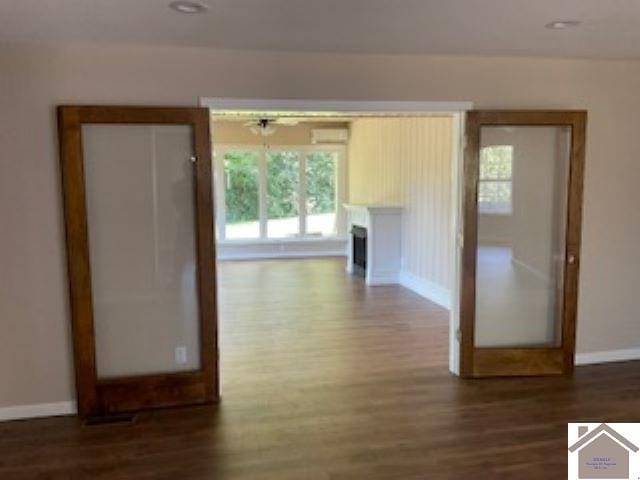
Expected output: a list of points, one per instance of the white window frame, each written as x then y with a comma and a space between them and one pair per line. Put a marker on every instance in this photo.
492, 208
219, 152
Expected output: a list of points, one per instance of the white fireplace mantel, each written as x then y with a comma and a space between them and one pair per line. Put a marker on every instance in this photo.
384, 238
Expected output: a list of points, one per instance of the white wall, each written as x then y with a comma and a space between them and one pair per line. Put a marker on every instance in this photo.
408, 162
35, 348
375, 167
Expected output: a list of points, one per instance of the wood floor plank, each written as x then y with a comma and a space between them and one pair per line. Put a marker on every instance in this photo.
324, 378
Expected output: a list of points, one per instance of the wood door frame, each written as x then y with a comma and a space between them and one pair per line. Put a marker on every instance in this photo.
496, 361
102, 397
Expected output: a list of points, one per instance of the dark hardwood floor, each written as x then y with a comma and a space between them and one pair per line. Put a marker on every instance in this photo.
323, 378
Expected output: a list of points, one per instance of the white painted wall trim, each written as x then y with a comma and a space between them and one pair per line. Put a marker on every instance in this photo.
37, 410
608, 356
457, 238
304, 248
275, 255
426, 289
333, 107
382, 278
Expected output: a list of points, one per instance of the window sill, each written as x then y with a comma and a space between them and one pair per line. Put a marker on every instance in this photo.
281, 241
496, 214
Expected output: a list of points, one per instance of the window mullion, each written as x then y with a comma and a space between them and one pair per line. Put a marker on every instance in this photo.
302, 193
490, 179
340, 183
221, 192
262, 198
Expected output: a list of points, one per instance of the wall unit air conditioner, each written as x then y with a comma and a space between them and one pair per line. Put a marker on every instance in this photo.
329, 135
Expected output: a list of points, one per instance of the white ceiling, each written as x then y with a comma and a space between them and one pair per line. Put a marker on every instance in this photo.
610, 29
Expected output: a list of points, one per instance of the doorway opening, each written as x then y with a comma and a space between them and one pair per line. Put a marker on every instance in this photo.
335, 227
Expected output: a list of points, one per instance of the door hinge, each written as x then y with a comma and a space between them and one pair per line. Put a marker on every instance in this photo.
193, 159
458, 335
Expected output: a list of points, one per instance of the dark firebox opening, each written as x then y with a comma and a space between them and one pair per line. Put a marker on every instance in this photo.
359, 250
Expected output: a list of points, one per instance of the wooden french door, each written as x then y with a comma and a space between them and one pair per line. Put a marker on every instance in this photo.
523, 174
138, 206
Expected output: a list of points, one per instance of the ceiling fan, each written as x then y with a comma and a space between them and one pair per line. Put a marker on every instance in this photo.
265, 126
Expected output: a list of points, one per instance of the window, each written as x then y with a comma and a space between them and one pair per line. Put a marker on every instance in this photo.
495, 184
321, 175
241, 194
277, 193
283, 200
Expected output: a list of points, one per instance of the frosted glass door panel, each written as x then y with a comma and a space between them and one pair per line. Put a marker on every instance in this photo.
522, 211
141, 218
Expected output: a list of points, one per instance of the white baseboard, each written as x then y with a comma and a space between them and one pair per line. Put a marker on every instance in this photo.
382, 278
37, 410
426, 289
287, 248
267, 255
608, 356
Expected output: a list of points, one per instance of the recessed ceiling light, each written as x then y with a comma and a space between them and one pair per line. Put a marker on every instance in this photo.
184, 6
562, 24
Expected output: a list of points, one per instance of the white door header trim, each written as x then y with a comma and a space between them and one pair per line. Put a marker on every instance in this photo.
341, 107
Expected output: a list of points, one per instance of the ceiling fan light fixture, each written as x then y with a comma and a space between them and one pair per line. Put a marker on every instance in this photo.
262, 129
562, 24
185, 6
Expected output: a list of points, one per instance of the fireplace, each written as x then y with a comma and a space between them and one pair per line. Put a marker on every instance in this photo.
374, 248
359, 254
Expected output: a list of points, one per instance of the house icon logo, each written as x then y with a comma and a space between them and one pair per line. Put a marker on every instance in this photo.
601, 452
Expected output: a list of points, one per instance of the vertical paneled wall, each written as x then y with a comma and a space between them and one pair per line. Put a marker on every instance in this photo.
407, 161
375, 161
